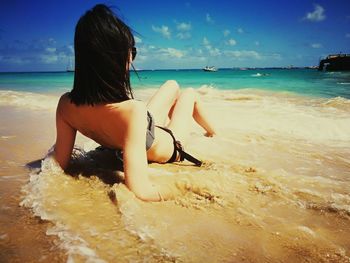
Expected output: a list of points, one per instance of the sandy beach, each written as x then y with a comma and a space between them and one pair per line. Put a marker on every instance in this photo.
274, 188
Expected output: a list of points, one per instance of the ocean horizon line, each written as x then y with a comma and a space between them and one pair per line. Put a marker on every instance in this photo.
171, 69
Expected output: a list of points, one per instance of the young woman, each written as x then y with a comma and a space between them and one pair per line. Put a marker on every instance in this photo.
101, 105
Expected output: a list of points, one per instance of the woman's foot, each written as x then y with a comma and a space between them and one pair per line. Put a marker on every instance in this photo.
209, 134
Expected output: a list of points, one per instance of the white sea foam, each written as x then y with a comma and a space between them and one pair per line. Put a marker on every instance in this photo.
338, 103
74, 245
286, 117
28, 100
6, 137
36, 196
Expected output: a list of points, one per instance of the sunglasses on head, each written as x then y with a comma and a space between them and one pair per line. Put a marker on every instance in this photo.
133, 52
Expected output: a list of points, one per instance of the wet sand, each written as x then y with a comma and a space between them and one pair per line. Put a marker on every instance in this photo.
23, 236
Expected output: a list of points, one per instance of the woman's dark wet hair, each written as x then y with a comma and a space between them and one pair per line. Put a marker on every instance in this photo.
102, 45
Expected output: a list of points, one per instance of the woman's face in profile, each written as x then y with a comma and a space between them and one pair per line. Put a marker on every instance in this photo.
130, 59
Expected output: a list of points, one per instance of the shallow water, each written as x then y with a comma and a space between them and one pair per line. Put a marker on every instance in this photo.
274, 187
298, 81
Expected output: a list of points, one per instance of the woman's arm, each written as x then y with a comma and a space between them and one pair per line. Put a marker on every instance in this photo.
135, 158
65, 138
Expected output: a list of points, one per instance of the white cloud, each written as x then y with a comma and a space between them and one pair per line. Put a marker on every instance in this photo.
184, 35
226, 32
231, 42
243, 54
137, 40
14, 60
317, 15
71, 48
148, 54
163, 30
214, 52
172, 52
316, 45
275, 56
51, 49
62, 55
206, 41
184, 26
36, 52
240, 30
184, 29
51, 41
49, 59
209, 19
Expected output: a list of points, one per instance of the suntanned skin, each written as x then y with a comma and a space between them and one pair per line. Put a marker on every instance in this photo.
123, 126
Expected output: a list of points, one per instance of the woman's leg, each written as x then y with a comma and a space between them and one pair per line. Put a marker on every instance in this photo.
162, 101
188, 106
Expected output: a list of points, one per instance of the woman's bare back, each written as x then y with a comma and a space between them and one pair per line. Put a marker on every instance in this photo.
104, 123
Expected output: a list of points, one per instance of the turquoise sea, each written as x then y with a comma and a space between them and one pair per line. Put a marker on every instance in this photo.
308, 82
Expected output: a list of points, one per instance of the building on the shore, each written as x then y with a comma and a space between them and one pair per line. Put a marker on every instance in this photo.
335, 62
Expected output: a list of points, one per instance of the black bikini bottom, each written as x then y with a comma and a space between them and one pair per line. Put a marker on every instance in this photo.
178, 148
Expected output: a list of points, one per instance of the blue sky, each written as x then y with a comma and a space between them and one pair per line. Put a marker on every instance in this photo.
38, 35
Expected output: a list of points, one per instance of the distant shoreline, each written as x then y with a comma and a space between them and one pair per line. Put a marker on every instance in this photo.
196, 69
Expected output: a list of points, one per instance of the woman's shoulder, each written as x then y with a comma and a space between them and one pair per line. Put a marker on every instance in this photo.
64, 98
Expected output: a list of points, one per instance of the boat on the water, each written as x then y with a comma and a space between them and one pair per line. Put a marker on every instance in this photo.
335, 62
210, 68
